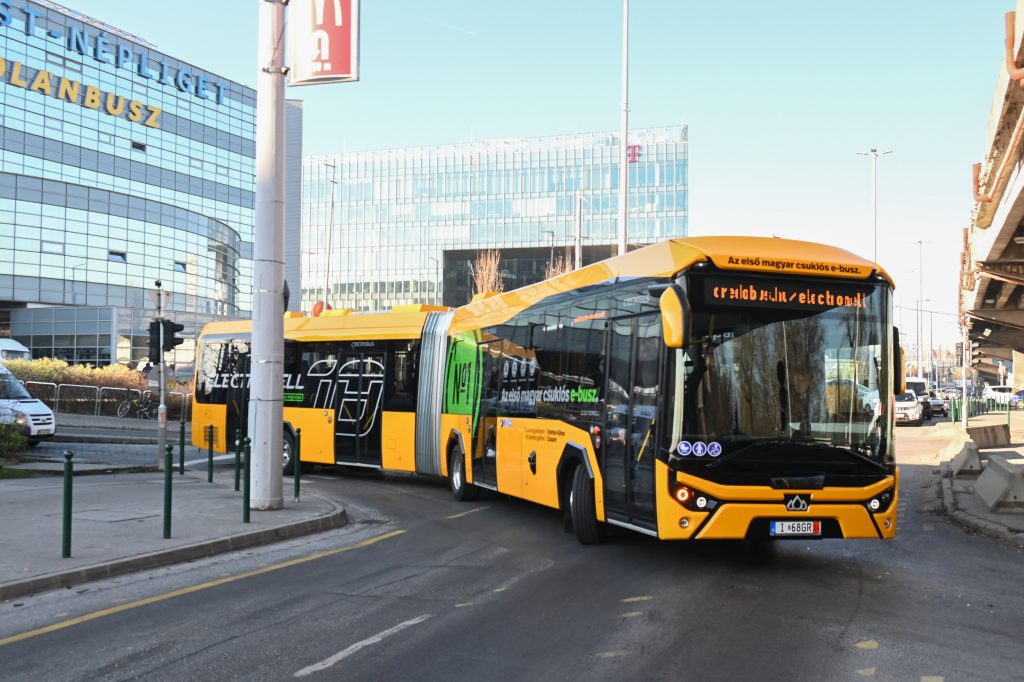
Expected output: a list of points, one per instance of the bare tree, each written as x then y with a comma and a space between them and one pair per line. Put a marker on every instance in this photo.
486, 272
561, 266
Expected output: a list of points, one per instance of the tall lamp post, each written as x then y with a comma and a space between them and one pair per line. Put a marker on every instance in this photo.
330, 231
624, 141
437, 280
874, 154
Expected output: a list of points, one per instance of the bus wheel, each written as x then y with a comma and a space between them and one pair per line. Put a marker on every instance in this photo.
583, 509
287, 460
461, 491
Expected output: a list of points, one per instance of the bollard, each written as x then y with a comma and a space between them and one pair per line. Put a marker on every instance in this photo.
209, 456
245, 486
1007, 414
65, 547
168, 466
296, 461
181, 450
238, 454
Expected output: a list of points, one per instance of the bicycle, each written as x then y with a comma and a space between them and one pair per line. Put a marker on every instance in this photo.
145, 407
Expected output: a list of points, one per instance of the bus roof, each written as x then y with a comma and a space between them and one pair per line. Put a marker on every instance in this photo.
402, 323
665, 259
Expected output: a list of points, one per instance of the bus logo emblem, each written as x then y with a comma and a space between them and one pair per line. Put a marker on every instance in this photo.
797, 503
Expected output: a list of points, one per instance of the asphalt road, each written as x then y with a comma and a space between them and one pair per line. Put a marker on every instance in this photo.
494, 589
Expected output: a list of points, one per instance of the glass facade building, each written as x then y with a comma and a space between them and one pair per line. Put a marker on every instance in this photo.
384, 228
119, 165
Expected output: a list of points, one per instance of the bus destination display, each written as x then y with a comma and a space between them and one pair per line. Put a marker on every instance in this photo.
761, 292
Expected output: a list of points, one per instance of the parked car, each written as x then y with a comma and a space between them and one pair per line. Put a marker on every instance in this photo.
939, 403
909, 409
32, 417
920, 389
1001, 394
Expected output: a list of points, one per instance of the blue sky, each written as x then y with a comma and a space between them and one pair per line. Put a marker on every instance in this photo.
779, 96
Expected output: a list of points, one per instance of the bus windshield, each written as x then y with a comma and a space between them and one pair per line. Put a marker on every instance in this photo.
780, 379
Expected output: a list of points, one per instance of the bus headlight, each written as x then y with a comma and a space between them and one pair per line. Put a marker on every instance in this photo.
692, 499
880, 503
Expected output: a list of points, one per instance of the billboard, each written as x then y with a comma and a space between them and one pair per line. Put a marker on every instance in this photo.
323, 41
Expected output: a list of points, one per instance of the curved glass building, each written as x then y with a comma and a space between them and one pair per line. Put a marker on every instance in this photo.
119, 165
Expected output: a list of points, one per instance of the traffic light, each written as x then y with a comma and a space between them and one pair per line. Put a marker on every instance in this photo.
960, 349
170, 329
154, 342
975, 352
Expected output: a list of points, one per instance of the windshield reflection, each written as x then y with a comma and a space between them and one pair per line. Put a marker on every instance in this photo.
11, 388
813, 377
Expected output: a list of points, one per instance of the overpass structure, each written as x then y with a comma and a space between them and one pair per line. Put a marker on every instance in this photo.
992, 261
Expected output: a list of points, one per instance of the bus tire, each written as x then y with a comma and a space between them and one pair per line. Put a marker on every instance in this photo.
583, 509
461, 490
287, 454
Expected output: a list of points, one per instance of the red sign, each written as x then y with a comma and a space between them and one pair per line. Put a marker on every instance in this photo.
633, 152
323, 41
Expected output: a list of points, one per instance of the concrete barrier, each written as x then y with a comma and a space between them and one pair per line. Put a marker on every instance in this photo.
966, 462
996, 435
1001, 485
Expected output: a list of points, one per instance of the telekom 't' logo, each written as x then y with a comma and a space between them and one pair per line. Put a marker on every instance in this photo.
633, 152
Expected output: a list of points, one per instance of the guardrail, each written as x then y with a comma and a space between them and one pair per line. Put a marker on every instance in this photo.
94, 389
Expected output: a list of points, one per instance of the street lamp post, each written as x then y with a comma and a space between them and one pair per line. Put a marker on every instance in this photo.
624, 135
437, 280
874, 154
330, 231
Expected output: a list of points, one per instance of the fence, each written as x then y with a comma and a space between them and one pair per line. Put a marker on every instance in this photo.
979, 406
102, 400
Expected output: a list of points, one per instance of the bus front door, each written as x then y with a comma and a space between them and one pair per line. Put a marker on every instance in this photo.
631, 407
358, 414
237, 398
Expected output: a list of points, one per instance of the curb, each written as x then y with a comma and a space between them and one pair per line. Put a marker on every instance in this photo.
970, 521
198, 550
112, 440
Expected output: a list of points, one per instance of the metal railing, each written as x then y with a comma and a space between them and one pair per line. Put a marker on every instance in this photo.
100, 396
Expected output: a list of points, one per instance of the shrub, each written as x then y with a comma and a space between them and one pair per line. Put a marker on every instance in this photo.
11, 441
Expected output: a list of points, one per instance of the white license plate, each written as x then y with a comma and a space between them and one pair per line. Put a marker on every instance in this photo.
45, 432
796, 527
902, 418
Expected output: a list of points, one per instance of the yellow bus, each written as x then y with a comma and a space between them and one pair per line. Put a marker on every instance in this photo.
700, 388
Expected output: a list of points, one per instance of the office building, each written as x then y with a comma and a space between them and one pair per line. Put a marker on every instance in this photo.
403, 220
119, 165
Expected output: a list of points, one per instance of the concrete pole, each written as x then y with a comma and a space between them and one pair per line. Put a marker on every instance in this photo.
161, 412
965, 363
578, 237
330, 233
920, 298
266, 413
624, 136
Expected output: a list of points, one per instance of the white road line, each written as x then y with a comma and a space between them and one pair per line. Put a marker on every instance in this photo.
216, 458
341, 655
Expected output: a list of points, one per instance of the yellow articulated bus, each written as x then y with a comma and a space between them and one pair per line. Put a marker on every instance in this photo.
700, 388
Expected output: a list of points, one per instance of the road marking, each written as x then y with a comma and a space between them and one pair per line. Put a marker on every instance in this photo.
216, 458
866, 672
345, 653
466, 513
630, 600
631, 614
464, 604
610, 654
867, 644
195, 588
932, 678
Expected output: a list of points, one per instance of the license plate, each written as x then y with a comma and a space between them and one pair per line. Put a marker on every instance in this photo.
796, 527
45, 432
902, 418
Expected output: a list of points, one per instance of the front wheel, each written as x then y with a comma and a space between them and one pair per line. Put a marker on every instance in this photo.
461, 491
589, 531
123, 408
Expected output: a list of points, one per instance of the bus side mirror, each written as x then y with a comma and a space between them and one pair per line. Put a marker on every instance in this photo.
898, 380
675, 317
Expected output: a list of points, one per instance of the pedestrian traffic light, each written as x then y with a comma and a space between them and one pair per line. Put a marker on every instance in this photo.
170, 329
154, 342
975, 352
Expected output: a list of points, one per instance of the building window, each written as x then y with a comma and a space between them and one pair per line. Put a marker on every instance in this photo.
179, 266
117, 256
138, 146
106, 138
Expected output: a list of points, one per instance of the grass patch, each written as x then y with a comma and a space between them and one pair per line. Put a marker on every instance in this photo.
14, 473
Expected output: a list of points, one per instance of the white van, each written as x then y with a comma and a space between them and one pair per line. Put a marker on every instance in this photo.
18, 407
12, 350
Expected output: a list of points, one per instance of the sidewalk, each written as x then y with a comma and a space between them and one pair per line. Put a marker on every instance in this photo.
958, 498
117, 525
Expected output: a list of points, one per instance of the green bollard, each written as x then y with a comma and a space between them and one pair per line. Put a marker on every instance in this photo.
181, 450
245, 486
168, 467
238, 454
68, 475
297, 461
209, 456
1007, 414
